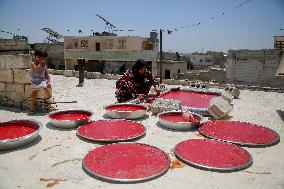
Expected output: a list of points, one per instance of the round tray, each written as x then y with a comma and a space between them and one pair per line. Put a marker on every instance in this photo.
126, 162
213, 155
111, 130
115, 111
189, 107
179, 125
69, 118
20, 139
237, 132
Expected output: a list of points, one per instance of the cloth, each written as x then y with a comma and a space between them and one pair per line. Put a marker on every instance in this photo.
38, 79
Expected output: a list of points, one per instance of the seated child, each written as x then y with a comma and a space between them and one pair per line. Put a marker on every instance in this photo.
39, 78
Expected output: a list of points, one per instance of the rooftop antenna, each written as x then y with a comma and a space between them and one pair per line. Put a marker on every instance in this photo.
109, 25
53, 36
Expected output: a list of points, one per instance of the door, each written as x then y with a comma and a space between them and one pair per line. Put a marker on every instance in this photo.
167, 74
98, 46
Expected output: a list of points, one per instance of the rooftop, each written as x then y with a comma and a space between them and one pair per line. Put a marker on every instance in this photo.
57, 153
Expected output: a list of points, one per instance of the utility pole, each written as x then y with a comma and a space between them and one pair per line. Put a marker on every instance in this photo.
161, 55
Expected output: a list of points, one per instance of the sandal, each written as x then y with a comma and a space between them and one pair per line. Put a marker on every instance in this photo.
31, 112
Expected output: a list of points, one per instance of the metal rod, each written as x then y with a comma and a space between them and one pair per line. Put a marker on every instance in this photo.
161, 55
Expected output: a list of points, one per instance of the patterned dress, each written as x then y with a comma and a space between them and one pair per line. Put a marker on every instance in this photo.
38, 79
128, 87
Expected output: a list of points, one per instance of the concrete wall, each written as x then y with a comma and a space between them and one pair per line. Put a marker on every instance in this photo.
13, 46
107, 43
212, 74
128, 56
88, 75
255, 67
280, 71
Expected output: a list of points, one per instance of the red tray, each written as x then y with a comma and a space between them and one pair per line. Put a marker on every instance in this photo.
17, 133
213, 155
126, 162
189, 98
111, 130
238, 132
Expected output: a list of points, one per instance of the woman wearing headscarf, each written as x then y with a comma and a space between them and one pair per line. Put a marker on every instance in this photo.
136, 82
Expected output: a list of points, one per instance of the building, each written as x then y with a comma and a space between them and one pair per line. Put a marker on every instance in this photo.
279, 42
255, 67
110, 53
210, 58
55, 52
171, 68
173, 65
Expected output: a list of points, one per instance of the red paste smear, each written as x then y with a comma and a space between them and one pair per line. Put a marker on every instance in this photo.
236, 131
126, 108
111, 130
190, 98
126, 161
212, 153
180, 117
70, 115
16, 130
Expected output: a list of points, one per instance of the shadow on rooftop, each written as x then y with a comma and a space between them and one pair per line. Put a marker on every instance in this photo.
35, 142
281, 114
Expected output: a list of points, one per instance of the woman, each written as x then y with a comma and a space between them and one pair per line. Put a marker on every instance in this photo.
135, 83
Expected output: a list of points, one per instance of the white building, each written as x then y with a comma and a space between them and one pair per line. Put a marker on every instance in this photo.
171, 68
207, 59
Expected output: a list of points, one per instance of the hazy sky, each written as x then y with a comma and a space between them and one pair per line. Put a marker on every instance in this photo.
251, 26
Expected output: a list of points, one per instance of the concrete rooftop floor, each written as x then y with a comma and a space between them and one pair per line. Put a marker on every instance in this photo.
57, 154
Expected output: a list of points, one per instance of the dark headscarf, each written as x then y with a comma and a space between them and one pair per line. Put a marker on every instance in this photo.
135, 69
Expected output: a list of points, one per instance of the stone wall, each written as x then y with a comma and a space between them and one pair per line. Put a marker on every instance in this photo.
14, 79
15, 87
13, 46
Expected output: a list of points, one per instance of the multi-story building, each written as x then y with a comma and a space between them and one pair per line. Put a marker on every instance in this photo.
110, 53
279, 42
206, 59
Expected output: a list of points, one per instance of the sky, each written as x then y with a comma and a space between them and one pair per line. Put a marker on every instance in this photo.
252, 26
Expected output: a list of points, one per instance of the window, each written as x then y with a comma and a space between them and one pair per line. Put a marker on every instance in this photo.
201, 60
178, 70
75, 44
84, 44
76, 67
122, 44
167, 74
109, 44
146, 45
207, 60
61, 67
